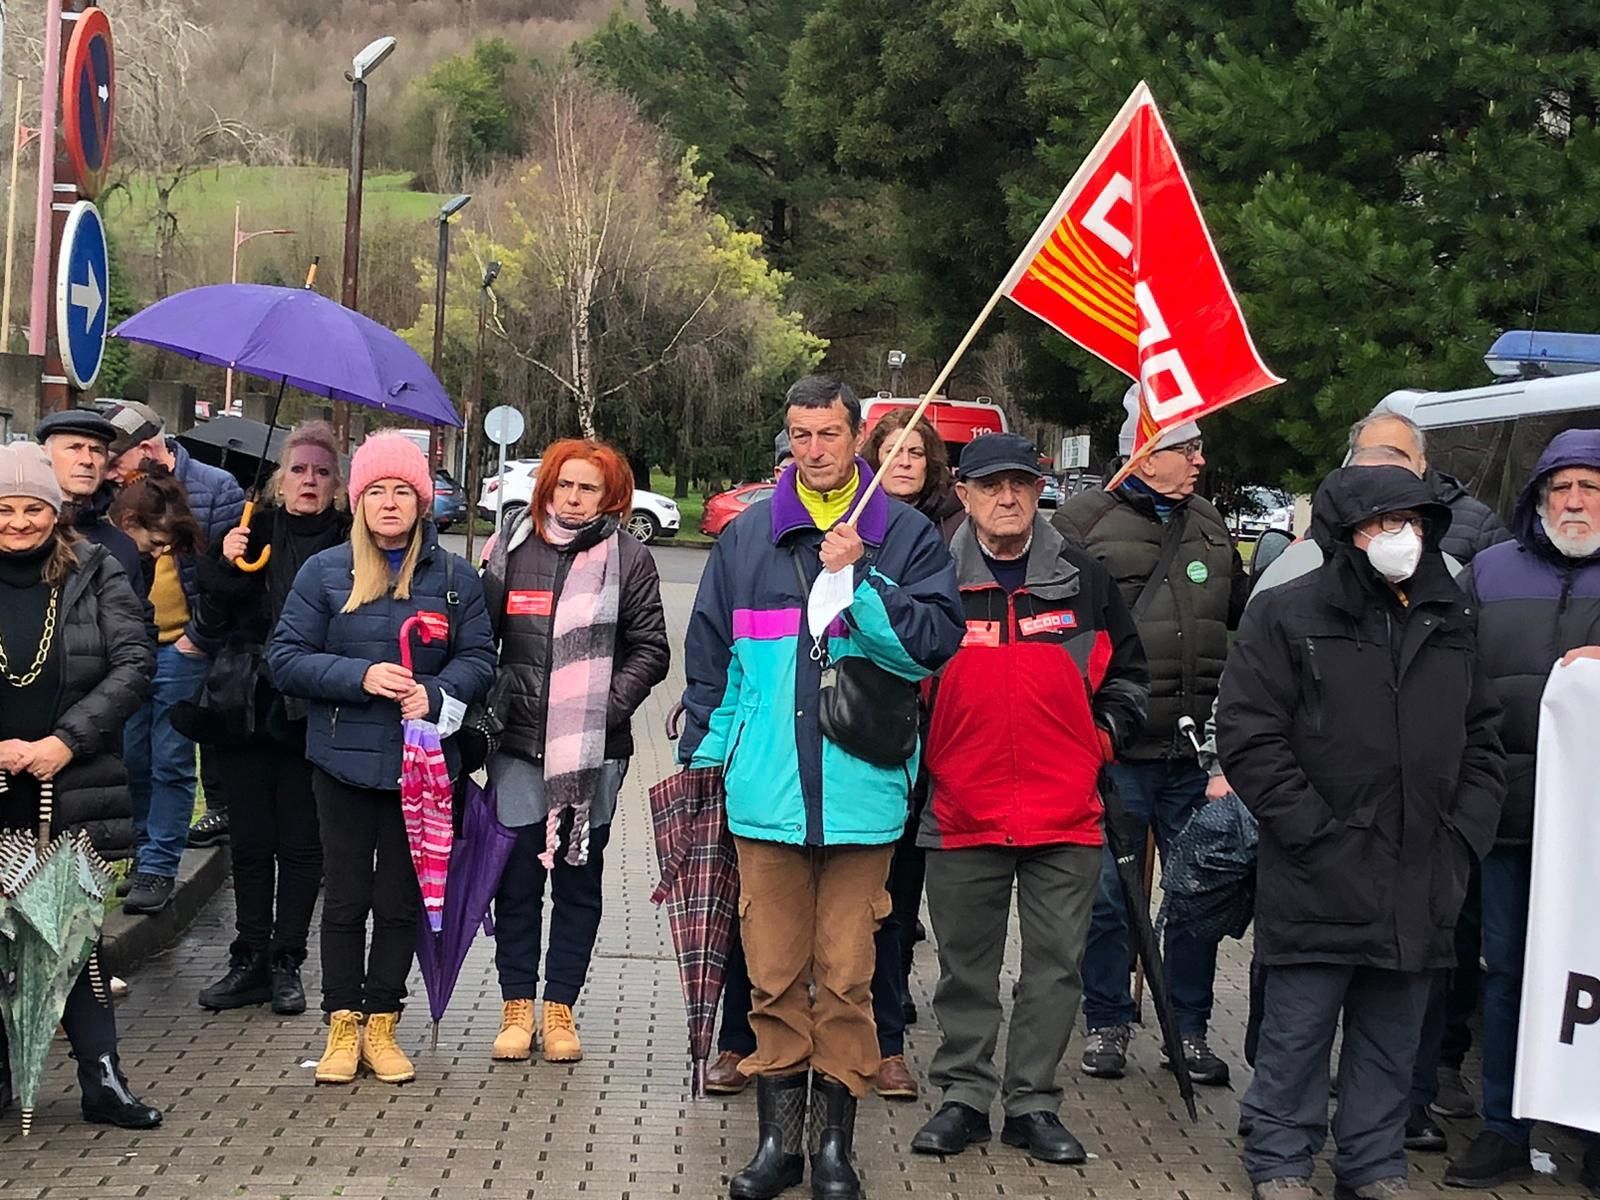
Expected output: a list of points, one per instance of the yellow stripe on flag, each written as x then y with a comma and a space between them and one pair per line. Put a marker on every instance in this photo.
1071, 238
1065, 284
1118, 303
1094, 314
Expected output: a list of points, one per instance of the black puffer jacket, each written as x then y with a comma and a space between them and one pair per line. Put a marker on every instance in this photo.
1474, 526
320, 653
525, 563
1363, 734
1184, 625
105, 677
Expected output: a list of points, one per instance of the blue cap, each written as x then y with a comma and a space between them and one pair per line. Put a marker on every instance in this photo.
996, 452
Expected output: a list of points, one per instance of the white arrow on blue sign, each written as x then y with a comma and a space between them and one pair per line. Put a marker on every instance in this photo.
82, 287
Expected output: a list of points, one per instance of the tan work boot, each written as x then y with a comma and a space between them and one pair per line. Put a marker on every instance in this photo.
381, 1054
515, 1041
561, 1044
343, 1053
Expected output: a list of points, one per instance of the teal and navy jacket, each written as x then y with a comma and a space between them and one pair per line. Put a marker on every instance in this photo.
751, 703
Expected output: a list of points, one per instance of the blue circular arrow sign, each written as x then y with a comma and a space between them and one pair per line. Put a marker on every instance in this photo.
82, 295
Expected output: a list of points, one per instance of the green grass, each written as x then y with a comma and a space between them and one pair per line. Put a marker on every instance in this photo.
690, 507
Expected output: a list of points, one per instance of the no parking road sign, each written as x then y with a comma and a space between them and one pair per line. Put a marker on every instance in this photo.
88, 94
82, 287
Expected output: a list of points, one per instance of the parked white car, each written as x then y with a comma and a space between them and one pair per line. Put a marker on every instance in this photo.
654, 516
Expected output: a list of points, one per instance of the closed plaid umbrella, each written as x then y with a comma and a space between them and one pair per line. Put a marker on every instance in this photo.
700, 887
426, 796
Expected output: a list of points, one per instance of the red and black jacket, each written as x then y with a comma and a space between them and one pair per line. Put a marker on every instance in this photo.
1046, 680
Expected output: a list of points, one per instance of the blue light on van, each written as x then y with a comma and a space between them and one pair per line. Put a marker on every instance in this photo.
1531, 354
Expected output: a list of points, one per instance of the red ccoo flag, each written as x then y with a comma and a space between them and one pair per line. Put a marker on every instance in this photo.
1124, 266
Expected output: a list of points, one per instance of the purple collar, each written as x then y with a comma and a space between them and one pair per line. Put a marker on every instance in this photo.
789, 513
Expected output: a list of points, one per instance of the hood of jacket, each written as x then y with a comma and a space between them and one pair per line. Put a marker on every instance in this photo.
1352, 495
1573, 448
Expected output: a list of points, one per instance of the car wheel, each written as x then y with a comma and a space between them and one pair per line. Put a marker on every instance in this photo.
643, 526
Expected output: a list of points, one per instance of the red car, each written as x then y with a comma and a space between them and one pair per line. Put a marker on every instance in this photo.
725, 506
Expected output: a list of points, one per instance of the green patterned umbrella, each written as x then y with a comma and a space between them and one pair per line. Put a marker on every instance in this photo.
52, 904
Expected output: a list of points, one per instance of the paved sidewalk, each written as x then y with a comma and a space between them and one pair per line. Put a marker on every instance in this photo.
244, 1119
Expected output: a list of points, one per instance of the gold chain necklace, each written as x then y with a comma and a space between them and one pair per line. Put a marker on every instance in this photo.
45, 639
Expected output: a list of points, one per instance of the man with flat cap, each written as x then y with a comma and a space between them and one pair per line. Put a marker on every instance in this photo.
78, 441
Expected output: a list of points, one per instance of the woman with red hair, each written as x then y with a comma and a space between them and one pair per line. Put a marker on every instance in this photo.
583, 640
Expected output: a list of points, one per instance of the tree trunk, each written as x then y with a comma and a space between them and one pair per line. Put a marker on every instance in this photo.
583, 355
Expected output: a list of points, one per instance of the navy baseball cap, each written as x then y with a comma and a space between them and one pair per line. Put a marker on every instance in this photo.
996, 452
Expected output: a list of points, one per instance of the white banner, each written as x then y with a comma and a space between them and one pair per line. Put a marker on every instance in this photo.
1558, 1048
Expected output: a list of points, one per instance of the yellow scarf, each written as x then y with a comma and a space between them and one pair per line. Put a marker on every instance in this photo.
827, 509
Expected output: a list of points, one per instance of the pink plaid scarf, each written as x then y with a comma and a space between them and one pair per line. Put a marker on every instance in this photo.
583, 638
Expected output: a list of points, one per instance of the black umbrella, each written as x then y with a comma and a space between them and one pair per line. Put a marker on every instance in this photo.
1125, 840
234, 444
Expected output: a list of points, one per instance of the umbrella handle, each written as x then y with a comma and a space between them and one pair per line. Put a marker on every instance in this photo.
266, 551
412, 624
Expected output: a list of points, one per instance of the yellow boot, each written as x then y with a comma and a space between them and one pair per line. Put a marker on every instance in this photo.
561, 1044
515, 1043
343, 1053
380, 1054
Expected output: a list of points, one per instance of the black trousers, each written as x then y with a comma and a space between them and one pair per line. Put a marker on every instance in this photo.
213, 778
735, 1033
277, 847
364, 836
91, 1026
891, 972
575, 908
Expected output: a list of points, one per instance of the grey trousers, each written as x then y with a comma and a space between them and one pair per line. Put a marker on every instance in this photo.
1288, 1099
969, 900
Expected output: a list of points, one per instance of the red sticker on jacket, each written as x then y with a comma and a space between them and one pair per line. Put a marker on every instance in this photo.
529, 604
436, 623
982, 633
1048, 623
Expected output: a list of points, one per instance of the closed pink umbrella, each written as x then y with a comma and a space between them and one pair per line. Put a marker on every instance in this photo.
426, 797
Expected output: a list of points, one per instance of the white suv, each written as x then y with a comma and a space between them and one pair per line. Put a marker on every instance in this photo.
654, 515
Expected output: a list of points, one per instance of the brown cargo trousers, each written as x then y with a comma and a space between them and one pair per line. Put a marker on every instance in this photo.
807, 916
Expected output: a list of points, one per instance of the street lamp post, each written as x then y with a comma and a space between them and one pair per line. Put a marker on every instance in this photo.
473, 434
450, 209
239, 239
363, 65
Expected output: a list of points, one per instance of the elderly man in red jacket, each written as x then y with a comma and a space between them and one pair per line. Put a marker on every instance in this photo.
1049, 683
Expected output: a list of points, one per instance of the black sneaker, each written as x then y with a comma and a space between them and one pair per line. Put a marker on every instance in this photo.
1423, 1133
1204, 1067
1490, 1161
1105, 1054
149, 894
1455, 1098
209, 830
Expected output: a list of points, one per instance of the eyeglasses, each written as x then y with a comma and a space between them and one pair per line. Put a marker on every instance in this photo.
1190, 450
992, 485
1395, 522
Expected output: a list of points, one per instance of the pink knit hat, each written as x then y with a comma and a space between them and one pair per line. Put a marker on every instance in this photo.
390, 456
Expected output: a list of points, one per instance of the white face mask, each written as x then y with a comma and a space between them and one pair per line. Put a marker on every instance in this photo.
1395, 555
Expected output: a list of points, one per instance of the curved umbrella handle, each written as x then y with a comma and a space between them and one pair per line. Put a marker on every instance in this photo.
266, 551
413, 624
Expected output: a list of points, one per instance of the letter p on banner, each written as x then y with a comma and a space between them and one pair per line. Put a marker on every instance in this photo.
1558, 1043
1124, 266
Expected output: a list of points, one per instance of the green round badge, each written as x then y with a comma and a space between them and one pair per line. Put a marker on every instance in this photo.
1197, 572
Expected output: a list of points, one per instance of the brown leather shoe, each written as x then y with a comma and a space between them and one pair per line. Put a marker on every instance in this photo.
895, 1080
723, 1077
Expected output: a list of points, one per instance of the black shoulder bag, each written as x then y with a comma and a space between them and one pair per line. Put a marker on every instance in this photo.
482, 727
863, 709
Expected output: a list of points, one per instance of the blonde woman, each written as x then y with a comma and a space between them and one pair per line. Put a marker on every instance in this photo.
260, 753
337, 645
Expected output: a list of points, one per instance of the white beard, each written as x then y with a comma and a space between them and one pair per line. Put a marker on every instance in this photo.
1571, 545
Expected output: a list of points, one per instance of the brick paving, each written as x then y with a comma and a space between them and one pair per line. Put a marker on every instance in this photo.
243, 1118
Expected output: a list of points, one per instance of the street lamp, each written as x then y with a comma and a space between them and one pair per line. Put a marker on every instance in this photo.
451, 208
239, 239
897, 362
363, 65
474, 435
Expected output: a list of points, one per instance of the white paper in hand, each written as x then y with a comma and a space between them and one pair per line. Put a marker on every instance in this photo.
830, 595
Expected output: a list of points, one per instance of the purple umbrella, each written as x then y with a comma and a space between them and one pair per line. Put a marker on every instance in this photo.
477, 861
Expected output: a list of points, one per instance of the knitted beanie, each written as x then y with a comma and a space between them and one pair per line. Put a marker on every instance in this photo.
25, 470
390, 456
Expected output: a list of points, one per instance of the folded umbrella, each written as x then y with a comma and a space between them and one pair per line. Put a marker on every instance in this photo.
1209, 876
477, 862
427, 798
700, 887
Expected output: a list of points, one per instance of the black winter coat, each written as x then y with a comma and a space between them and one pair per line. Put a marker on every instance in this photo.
109, 660
1364, 736
1474, 526
642, 655
1184, 625
320, 654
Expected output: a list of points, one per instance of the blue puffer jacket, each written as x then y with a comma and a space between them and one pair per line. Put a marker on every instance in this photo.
217, 501
751, 703
320, 654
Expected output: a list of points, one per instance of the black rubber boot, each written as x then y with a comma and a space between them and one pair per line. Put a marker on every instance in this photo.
779, 1163
247, 982
107, 1100
288, 993
832, 1135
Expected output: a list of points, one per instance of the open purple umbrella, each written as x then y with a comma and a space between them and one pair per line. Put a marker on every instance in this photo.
297, 338
477, 861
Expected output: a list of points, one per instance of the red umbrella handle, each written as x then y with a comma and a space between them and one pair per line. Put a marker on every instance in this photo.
414, 624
